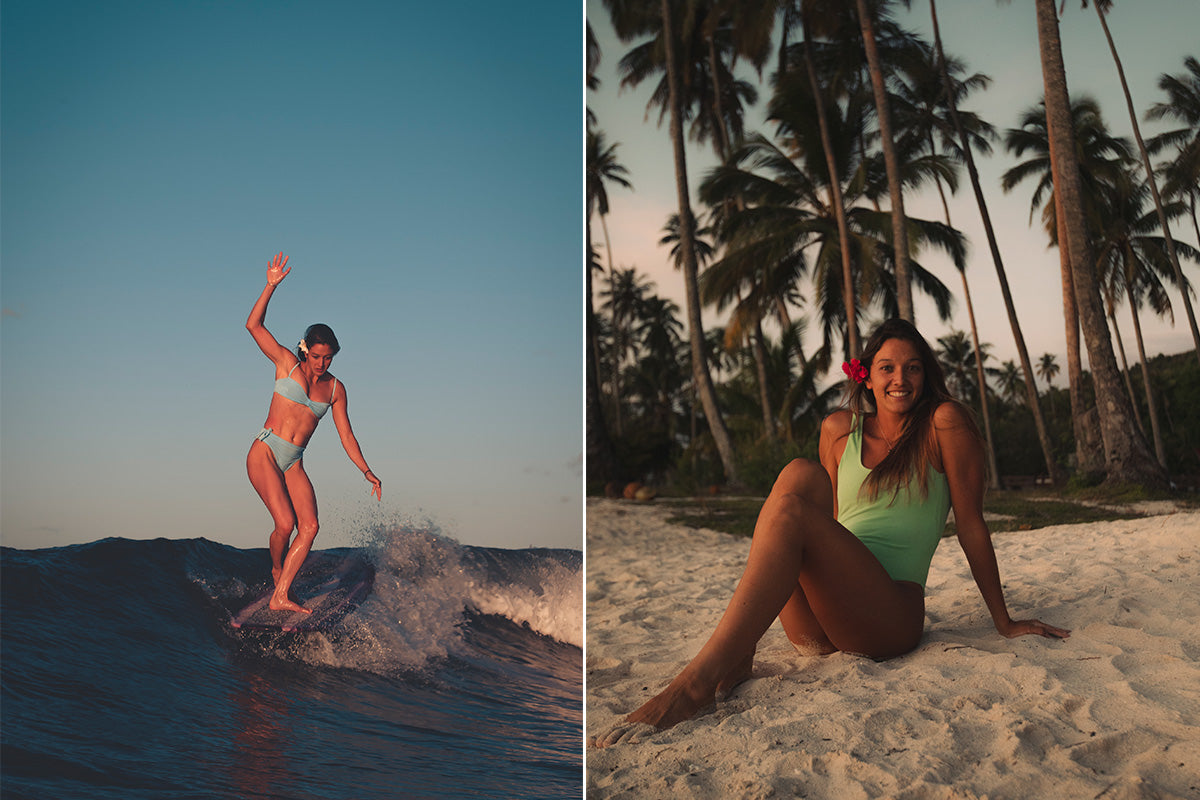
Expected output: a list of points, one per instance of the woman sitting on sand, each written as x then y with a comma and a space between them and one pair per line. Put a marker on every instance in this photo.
841, 554
275, 462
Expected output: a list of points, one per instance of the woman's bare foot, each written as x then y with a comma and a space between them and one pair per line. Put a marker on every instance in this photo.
681, 700
287, 604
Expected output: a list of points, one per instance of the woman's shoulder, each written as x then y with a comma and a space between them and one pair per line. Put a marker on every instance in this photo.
951, 414
338, 387
838, 424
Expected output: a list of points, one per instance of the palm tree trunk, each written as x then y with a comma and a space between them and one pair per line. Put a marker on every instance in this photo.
764, 396
601, 455
1127, 459
993, 470
1087, 459
700, 373
1155, 430
983, 403
724, 147
1111, 305
785, 322
618, 354
835, 191
616, 366
1052, 469
1162, 216
722, 132
899, 222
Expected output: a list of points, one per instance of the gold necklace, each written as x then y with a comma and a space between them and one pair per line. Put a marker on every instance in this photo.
891, 444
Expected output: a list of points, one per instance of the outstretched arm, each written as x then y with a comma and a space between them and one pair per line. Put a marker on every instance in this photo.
255, 322
963, 462
341, 419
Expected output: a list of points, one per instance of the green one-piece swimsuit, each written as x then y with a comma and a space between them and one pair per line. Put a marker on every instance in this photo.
901, 530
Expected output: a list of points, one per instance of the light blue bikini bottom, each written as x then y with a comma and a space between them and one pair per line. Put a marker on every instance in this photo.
286, 453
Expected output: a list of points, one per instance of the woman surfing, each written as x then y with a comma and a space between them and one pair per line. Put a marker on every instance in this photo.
304, 391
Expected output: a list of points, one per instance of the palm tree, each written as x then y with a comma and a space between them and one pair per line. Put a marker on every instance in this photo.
746, 321
958, 359
1110, 291
965, 146
623, 299
1012, 386
1182, 104
630, 21
1047, 368
1103, 160
787, 214
659, 375
923, 108
899, 223
1134, 262
1127, 458
602, 169
834, 182
1102, 9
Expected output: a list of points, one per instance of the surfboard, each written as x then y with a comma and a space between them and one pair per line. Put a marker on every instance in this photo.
329, 586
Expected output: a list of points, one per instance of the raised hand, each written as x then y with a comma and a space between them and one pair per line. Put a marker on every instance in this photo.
275, 270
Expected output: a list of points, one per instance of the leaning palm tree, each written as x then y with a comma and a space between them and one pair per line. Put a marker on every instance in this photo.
631, 21
806, 15
1102, 9
1127, 459
960, 130
1103, 161
866, 20
923, 109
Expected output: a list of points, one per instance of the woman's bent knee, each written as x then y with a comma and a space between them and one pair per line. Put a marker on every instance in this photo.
804, 477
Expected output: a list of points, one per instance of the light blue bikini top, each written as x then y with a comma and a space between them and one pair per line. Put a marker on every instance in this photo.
291, 389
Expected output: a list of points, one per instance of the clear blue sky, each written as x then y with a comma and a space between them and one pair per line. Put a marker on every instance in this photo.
420, 163
993, 37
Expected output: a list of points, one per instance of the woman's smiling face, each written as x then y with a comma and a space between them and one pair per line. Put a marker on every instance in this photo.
897, 376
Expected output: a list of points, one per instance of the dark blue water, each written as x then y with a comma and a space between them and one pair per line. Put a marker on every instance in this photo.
459, 676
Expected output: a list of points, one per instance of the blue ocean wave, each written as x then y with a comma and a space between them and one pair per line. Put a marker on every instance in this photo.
460, 674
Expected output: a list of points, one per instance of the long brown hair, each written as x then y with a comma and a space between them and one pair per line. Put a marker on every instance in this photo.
913, 451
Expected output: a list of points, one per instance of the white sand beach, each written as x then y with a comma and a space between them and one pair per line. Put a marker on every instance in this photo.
1112, 713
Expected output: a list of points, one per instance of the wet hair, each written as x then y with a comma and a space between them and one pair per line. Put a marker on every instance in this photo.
319, 333
913, 450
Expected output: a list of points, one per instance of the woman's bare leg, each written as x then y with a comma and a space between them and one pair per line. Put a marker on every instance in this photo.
268, 481
856, 603
304, 501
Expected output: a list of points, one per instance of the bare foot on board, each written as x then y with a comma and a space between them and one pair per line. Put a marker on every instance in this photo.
287, 604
